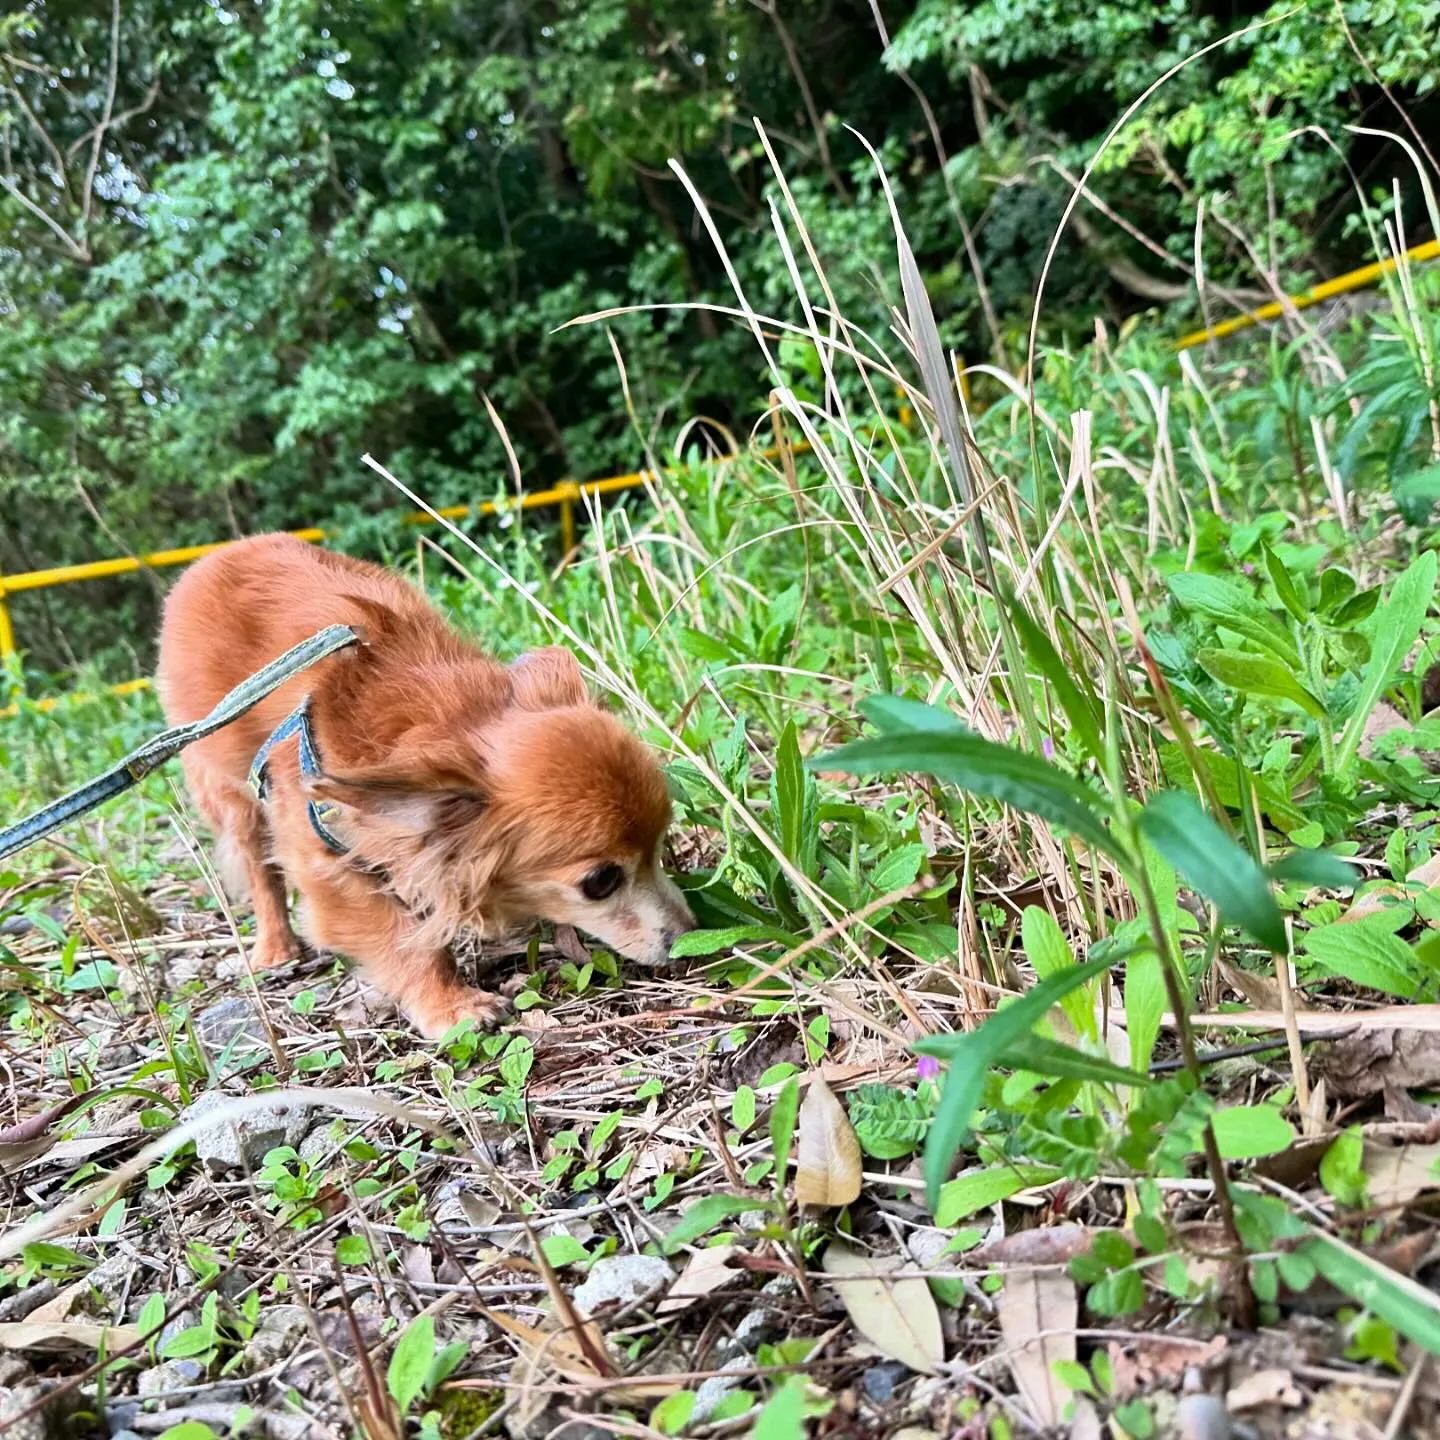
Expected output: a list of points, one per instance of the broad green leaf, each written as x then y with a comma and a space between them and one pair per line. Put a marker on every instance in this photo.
1222, 602
1342, 1169
1077, 707
980, 767
1315, 867
782, 1417
703, 1216
898, 868
1145, 997
711, 942
1246, 1132
1214, 864
352, 1250
792, 794
972, 1061
1284, 584
1252, 674
561, 1249
1412, 1308
673, 1413
1367, 953
410, 1364
1393, 630
1048, 952
890, 714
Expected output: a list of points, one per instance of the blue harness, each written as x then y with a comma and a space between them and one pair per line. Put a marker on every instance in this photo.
297, 722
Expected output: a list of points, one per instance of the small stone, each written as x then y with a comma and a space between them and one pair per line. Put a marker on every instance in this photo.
622, 1279
242, 1143
880, 1381
120, 1416
712, 1391
233, 1020
169, 1376
1202, 1417
281, 1332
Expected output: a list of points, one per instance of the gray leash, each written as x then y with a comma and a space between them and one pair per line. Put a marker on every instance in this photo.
154, 753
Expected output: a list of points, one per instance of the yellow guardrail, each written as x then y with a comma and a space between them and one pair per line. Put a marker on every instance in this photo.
1326, 290
565, 495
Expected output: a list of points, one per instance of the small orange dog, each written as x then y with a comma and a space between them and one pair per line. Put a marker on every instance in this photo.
410, 787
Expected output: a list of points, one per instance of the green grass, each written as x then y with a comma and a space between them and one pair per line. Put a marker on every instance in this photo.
921, 755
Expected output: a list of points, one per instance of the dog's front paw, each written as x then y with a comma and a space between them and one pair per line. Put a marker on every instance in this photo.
270, 954
485, 1009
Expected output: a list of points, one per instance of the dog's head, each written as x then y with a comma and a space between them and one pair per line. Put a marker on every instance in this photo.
543, 806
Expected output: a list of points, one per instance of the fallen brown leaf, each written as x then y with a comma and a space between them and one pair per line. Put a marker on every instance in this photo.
67, 1335
1038, 1310
1367, 1063
1396, 1174
898, 1316
1261, 991
708, 1270
1044, 1245
827, 1163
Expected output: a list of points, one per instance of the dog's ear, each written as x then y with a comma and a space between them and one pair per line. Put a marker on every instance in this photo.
547, 679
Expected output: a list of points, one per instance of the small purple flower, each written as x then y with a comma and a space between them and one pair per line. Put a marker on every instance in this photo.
1248, 568
927, 1067
1047, 747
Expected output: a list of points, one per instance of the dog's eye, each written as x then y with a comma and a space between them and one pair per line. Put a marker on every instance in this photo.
602, 882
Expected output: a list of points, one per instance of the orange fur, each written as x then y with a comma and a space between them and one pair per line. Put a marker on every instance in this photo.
471, 795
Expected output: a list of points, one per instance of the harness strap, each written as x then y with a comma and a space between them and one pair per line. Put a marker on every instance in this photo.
154, 753
297, 723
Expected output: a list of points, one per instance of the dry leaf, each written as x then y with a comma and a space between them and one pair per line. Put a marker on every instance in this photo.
1425, 876
1396, 1174
1264, 1387
1359, 1066
898, 1317
67, 1335
708, 1270
1044, 1245
827, 1164
1261, 991
1038, 1312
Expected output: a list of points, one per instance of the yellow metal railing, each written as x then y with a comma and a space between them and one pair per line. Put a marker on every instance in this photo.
1326, 290
565, 495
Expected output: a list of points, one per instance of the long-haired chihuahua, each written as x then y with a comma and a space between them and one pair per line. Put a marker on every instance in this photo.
410, 787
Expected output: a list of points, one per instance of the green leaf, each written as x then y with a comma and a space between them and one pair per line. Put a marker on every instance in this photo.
1342, 1169
899, 868
1045, 945
352, 1250
1246, 1132
711, 942
1284, 584
967, 1194
1145, 999
194, 1341
1057, 1060
1393, 630
782, 1125
1078, 709
561, 1250
1366, 953
1223, 603
703, 1216
742, 1108
1407, 1305
788, 794
1252, 674
410, 1364
972, 1061
980, 767
189, 1430
1315, 867
897, 714
1214, 865
783, 1415
673, 1413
